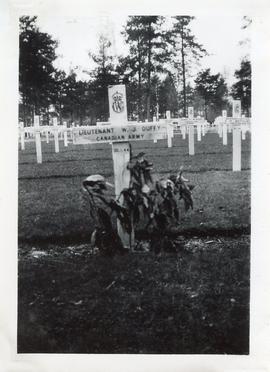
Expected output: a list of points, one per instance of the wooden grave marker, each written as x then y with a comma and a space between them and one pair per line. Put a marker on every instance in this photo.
120, 132
22, 134
56, 135
169, 128
224, 134
65, 134
224, 128
154, 121
237, 122
184, 131
37, 139
191, 147
236, 136
199, 131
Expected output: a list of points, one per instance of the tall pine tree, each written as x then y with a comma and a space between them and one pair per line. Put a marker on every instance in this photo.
36, 70
190, 51
213, 90
148, 44
102, 76
242, 88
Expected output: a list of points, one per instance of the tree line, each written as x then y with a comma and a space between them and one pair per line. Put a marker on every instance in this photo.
157, 72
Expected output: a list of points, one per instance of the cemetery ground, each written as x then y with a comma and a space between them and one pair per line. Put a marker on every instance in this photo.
193, 301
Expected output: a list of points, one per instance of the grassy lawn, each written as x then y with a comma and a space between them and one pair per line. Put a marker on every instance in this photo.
193, 301
52, 204
197, 301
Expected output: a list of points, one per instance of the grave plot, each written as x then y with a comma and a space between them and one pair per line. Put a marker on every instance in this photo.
192, 300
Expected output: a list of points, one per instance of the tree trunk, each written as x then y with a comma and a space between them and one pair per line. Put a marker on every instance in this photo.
60, 112
148, 102
24, 108
205, 110
183, 72
140, 87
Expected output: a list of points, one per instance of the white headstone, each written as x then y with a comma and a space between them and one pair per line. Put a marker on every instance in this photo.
168, 114
224, 113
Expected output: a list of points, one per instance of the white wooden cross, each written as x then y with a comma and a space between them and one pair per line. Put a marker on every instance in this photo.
154, 120
191, 147
181, 125
199, 131
56, 135
65, 133
38, 139
22, 134
224, 128
237, 122
169, 128
120, 132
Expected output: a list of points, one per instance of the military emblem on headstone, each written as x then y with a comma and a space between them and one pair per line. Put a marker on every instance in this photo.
118, 103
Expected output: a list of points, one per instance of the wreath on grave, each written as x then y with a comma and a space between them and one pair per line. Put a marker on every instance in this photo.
153, 206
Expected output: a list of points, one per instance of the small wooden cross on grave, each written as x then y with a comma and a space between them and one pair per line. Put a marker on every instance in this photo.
31, 132
222, 127
169, 128
22, 134
56, 135
191, 122
237, 122
38, 139
225, 128
119, 133
181, 125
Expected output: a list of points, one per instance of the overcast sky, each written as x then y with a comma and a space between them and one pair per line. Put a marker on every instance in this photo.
220, 35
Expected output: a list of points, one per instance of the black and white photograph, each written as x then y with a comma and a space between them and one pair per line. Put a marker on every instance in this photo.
135, 191
134, 185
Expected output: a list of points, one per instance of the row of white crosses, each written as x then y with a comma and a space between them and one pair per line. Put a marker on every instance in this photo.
37, 130
183, 125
